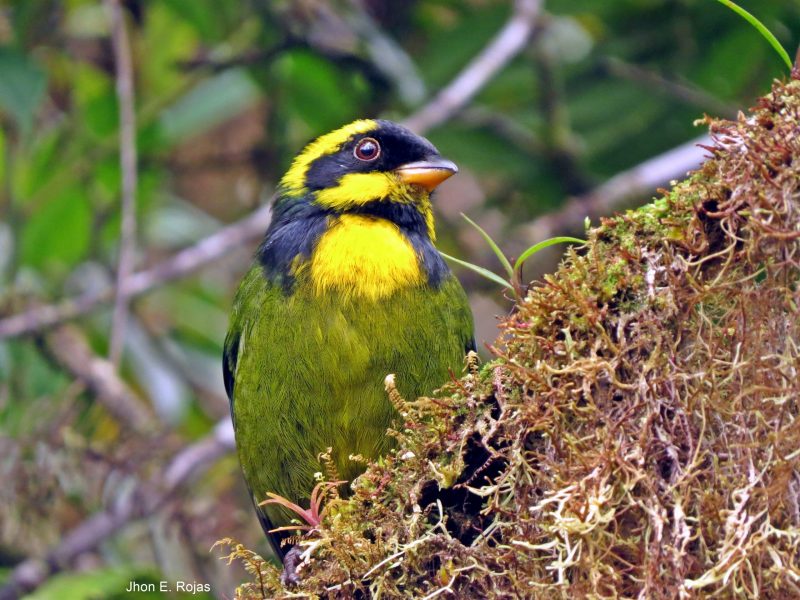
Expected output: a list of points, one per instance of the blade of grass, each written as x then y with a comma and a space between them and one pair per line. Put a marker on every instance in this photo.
479, 270
762, 29
499, 253
545, 244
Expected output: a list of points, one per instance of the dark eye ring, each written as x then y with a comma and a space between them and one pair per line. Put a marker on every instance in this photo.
367, 149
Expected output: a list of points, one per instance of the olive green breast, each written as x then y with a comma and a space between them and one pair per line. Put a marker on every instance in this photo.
310, 369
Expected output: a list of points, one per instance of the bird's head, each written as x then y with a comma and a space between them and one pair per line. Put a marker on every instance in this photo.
365, 163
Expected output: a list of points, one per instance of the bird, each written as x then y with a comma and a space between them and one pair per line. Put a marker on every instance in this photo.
346, 288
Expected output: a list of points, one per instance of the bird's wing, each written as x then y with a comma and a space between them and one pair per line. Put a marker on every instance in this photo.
230, 355
230, 359
249, 291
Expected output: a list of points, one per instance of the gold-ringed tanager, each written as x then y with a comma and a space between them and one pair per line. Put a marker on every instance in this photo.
346, 287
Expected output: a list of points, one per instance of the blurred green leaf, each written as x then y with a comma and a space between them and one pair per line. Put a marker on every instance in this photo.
482, 150
197, 318
29, 377
57, 235
3, 142
317, 91
761, 28
209, 103
722, 68
5, 361
22, 87
96, 100
209, 18
453, 45
166, 41
30, 175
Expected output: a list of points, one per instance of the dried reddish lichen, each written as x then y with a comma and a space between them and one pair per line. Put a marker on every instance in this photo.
638, 435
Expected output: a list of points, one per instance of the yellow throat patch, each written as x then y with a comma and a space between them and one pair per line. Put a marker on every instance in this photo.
362, 256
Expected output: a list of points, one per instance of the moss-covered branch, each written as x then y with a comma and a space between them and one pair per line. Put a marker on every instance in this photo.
637, 435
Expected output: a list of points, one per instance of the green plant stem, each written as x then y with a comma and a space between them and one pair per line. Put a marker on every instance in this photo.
541, 246
495, 248
479, 270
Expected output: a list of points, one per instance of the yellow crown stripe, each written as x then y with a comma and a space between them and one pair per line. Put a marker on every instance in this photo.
295, 179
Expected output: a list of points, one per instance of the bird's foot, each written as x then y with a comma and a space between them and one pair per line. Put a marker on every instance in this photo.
291, 561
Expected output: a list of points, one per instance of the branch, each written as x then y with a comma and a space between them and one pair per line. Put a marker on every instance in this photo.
179, 265
127, 159
508, 42
146, 500
603, 200
68, 347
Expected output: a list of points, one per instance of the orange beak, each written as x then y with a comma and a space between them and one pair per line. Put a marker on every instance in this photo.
426, 173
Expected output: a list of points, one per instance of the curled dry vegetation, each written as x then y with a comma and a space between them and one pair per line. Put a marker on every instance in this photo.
638, 436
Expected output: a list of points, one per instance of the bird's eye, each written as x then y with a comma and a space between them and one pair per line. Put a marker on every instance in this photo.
367, 149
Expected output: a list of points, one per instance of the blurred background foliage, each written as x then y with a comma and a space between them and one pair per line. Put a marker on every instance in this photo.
226, 94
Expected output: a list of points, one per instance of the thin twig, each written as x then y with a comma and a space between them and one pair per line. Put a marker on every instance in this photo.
146, 500
508, 42
127, 159
179, 265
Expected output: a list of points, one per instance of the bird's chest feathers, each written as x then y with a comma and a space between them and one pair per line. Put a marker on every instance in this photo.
362, 256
